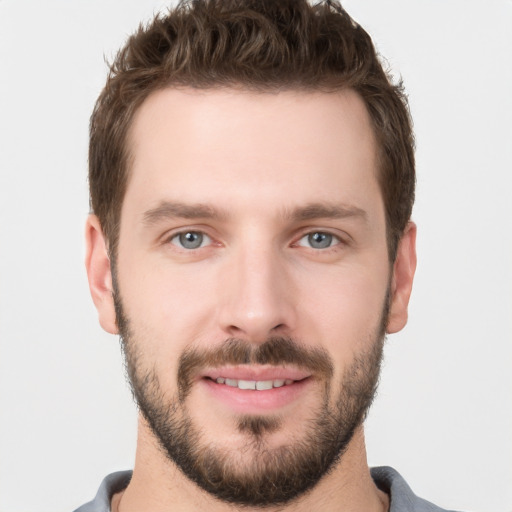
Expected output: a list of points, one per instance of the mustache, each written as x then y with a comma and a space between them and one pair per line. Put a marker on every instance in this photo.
276, 351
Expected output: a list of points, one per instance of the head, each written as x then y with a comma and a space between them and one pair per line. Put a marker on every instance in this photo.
251, 172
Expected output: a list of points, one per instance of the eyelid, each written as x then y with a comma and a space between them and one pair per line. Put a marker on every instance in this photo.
168, 236
307, 235
342, 238
206, 241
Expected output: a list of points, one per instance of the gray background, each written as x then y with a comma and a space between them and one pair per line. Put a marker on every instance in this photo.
444, 413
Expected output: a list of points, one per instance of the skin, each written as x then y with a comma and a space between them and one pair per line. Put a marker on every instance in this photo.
257, 160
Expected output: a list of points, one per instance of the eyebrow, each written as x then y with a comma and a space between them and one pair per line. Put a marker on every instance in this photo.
325, 211
174, 210
311, 211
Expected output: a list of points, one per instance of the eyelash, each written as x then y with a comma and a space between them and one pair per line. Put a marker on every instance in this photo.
178, 236
333, 240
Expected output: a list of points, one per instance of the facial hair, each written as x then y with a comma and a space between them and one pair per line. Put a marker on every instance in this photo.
258, 475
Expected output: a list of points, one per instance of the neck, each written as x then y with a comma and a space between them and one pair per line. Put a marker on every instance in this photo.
158, 485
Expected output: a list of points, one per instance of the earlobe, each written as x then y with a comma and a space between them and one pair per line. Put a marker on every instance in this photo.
97, 263
403, 276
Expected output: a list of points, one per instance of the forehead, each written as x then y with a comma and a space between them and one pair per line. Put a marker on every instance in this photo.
242, 147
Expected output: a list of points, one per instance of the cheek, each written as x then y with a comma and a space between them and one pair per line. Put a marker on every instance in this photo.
344, 310
168, 311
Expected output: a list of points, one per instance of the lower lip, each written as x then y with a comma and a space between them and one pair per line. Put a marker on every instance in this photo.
250, 401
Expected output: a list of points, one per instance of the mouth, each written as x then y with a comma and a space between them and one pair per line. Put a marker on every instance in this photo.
252, 390
257, 385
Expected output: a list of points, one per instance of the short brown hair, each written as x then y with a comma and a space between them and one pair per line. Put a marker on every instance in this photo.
262, 45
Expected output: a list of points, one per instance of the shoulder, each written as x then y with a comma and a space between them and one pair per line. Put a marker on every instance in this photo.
402, 498
113, 483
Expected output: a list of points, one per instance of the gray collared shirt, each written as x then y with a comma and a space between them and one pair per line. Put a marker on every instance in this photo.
402, 499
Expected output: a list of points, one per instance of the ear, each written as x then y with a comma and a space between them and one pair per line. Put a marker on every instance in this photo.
99, 274
401, 282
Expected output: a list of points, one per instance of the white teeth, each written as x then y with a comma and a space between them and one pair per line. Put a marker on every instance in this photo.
260, 385
247, 384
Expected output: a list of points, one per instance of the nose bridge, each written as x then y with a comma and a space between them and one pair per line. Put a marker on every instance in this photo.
257, 299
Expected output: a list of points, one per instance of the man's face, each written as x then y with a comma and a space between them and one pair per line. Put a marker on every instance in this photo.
252, 254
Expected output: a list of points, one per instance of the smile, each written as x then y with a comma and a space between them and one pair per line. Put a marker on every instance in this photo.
257, 385
255, 391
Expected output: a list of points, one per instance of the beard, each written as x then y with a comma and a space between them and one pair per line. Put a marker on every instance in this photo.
257, 475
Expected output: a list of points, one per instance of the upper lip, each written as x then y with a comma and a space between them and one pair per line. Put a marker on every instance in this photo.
255, 373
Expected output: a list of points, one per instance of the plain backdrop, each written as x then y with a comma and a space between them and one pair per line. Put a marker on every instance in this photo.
443, 417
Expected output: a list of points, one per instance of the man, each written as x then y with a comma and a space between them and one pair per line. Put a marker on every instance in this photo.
252, 181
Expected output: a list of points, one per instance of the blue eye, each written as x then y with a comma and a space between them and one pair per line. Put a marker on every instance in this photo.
190, 240
319, 240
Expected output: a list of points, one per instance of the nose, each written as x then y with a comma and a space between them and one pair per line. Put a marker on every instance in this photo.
257, 296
